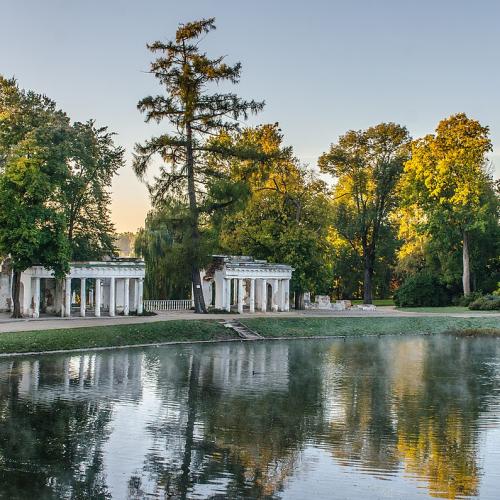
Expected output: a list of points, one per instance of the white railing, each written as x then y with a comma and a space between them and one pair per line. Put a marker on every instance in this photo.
167, 305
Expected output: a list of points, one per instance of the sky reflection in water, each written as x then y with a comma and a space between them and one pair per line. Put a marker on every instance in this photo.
412, 417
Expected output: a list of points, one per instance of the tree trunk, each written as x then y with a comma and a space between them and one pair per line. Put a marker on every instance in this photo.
16, 291
199, 301
466, 264
299, 300
368, 278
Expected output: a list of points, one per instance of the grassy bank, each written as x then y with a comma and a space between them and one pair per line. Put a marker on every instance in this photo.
194, 330
115, 335
309, 327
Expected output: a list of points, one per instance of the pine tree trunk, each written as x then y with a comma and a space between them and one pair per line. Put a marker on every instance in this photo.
368, 278
466, 264
16, 292
199, 301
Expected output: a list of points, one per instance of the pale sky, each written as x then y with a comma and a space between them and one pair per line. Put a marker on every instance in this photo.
322, 66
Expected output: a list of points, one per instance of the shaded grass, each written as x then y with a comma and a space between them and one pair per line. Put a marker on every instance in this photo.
377, 302
309, 327
443, 309
113, 335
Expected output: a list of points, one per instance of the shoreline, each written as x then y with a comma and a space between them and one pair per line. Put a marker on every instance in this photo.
208, 330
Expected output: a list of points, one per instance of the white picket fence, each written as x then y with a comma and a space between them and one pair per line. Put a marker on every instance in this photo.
167, 305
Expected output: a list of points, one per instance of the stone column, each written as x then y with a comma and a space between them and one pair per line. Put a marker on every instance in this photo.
287, 295
126, 293
112, 296
140, 295
36, 298
274, 296
97, 300
220, 291
227, 298
136, 294
240, 295
83, 296
67, 298
235, 291
281, 295
263, 296
252, 295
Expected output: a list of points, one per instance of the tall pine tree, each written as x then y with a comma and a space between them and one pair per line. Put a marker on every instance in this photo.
196, 116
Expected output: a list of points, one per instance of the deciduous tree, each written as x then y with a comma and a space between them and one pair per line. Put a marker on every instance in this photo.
447, 179
33, 171
367, 165
93, 163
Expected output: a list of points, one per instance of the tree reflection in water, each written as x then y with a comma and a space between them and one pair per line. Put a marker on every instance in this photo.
233, 420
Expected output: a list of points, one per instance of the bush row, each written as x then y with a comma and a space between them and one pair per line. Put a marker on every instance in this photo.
424, 289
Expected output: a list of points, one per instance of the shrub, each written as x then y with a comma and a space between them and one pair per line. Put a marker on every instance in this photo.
422, 290
466, 300
486, 303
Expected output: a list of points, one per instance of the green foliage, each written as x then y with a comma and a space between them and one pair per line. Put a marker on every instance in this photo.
94, 161
446, 180
486, 303
162, 244
285, 216
75, 162
466, 300
33, 171
367, 165
420, 290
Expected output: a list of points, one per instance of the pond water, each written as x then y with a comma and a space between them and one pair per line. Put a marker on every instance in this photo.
395, 417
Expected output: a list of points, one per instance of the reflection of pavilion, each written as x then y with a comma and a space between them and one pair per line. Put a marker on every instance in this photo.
247, 366
92, 376
114, 286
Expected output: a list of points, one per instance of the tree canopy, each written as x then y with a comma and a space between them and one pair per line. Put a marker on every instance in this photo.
366, 165
447, 179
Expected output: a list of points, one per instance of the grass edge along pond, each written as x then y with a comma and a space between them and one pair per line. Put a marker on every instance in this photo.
311, 327
210, 330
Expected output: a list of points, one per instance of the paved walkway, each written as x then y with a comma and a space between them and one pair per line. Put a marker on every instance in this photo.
8, 324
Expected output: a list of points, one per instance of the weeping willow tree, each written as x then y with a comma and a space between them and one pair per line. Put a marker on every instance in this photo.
161, 243
195, 116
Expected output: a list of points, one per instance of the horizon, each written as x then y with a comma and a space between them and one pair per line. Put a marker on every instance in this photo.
441, 63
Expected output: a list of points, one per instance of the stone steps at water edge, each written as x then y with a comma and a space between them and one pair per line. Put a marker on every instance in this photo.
243, 331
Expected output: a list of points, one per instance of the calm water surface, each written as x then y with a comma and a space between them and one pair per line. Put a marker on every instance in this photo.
412, 417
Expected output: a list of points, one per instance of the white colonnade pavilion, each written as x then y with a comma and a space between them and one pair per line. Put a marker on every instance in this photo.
246, 283
96, 287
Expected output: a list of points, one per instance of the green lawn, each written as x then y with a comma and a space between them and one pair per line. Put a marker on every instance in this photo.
377, 302
308, 327
116, 335
445, 309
